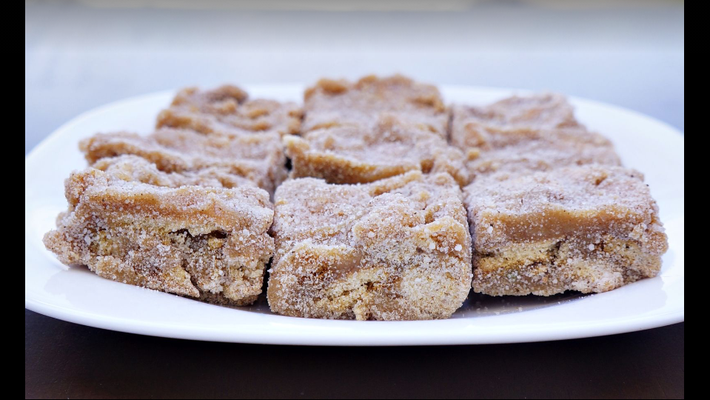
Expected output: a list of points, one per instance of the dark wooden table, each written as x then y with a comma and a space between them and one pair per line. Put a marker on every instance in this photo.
74, 361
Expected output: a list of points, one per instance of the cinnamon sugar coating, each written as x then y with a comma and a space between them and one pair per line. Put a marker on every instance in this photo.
588, 228
512, 120
395, 249
137, 169
258, 158
208, 243
226, 109
351, 154
546, 153
332, 103
518, 135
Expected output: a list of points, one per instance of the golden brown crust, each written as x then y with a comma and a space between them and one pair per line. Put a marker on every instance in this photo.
590, 228
395, 249
189, 240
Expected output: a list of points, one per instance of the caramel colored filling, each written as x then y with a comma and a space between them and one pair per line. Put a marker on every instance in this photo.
493, 230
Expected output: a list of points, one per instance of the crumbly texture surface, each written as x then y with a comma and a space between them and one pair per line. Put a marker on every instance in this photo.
228, 109
395, 249
258, 158
588, 228
132, 168
203, 242
521, 135
351, 154
512, 120
543, 154
332, 103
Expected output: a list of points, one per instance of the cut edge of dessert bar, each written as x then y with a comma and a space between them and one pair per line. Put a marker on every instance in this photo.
588, 228
395, 249
206, 243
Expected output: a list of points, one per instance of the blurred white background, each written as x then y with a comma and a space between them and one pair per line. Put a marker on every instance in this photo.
82, 54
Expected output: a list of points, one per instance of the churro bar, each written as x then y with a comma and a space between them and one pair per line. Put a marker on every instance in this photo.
512, 120
332, 103
395, 249
228, 109
351, 154
543, 154
137, 169
589, 228
208, 243
258, 158
520, 135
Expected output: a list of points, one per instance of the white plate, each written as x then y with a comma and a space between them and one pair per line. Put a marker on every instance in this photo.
77, 295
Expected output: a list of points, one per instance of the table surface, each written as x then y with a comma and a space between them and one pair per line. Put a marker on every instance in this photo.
74, 361
83, 54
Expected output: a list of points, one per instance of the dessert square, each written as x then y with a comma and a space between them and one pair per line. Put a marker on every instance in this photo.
332, 103
227, 108
589, 228
546, 153
351, 154
520, 135
258, 158
513, 120
395, 249
208, 243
